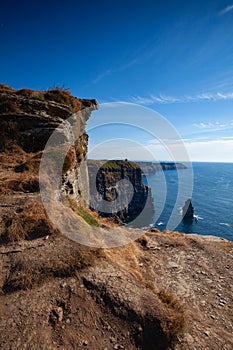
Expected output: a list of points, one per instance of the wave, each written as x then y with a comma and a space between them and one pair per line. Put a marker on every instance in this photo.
225, 224
160, 223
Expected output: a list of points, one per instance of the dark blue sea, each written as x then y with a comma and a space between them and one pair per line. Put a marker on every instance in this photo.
212, 199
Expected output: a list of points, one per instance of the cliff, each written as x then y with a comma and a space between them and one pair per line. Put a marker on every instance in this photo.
161, 290
127, 204
150, 168
28, 119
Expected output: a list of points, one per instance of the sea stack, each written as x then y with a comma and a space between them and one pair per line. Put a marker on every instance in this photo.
188, 210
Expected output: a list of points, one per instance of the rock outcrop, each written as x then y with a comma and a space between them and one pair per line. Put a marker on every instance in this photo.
28, 119
110, 201
188, 210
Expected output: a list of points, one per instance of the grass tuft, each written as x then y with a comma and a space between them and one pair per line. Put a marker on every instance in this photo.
27, 273
177, 324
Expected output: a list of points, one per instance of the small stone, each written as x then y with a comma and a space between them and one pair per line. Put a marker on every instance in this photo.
112, 339
140, 328
207, 333
59, 313
85, 342
68, 321
213, 317
173, 265
116, 347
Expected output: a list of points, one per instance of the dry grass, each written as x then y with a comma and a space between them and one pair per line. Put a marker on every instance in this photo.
28, 184
63, 96
178, 323
127, 258
70, 160
169, 238
6, 88
28, 222
8, 106
56, 94
30, 165
27, 272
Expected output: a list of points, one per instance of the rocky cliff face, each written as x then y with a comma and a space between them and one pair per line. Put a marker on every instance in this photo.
107, 197
28, 119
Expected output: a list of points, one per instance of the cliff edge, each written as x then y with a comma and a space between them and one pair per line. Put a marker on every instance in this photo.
163, 291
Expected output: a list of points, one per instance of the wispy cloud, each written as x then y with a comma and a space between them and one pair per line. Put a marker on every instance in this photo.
226, 10
216, 126
109, 72
166, 99
101, 76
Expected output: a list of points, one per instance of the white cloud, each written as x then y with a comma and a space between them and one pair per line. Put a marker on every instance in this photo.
166, 99
204, 125
206, 150
226, 10
216, 126
211, 151
219, 150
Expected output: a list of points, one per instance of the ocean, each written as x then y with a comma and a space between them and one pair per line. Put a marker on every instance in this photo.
212, 199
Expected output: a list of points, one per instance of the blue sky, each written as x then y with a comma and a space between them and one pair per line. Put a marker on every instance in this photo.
175, 57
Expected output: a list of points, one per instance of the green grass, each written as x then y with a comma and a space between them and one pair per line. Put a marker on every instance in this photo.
87, 217
112, 164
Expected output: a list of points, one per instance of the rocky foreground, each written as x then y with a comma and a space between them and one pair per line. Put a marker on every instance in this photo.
165, 291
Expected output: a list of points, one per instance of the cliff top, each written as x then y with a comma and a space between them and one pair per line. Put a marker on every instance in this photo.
17, 101
113, 164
